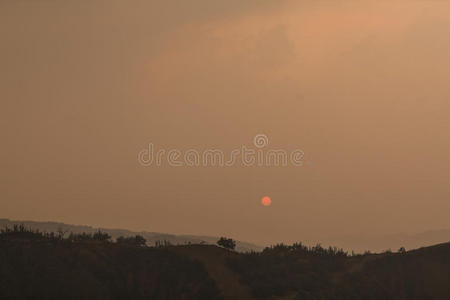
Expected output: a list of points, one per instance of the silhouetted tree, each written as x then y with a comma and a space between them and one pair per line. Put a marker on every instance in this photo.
101, 236
163, 243
61, 233
226, 243
137, 240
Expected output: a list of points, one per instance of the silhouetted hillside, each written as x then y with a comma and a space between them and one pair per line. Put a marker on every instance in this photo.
151, 237
318, 273
44, 266
36, 265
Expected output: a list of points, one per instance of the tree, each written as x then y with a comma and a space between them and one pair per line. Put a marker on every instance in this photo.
61, 232
402, 250
226, 243
137, 240
101, 236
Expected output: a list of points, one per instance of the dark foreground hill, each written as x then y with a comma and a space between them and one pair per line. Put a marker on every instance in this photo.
89, 266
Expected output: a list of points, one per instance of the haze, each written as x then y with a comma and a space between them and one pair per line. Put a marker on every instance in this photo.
362, 87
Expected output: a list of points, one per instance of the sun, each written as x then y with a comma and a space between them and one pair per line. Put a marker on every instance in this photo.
266, 201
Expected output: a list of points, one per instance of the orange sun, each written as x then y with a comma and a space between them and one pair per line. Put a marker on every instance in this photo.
266, 201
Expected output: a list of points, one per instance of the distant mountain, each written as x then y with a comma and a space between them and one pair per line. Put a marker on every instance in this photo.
151, 237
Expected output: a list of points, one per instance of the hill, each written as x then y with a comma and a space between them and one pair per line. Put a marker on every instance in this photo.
36, 265
151, 237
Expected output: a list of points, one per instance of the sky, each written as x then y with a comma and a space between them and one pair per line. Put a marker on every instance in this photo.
361, 87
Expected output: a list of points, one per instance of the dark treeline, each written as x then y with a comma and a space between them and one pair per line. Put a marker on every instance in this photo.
331, 274
282, 269
39, 265
22, 232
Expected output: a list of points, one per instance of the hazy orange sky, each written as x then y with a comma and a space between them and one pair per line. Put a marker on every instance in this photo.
362, 87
